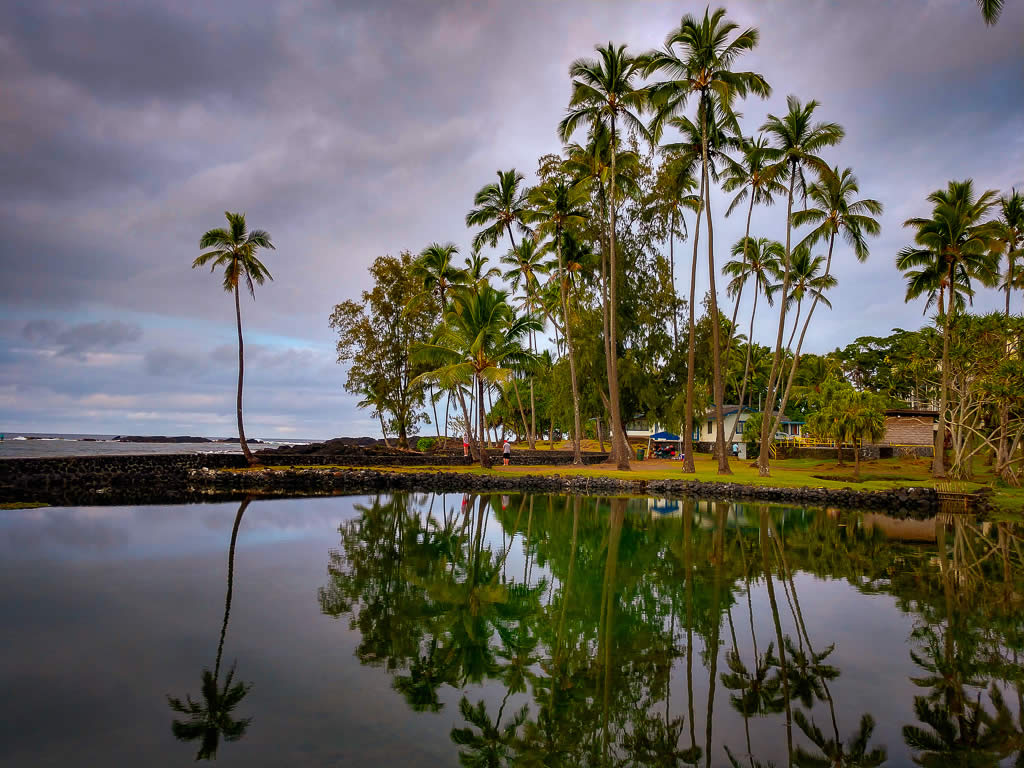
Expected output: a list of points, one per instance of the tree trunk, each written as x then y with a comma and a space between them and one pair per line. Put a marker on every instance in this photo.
856, 458
613, 342
383, 431
691, 353
241, 370
473, 452
600, 436
533, 419
484, 461
672, 269
613, 453
765, 539
746, 365
231, 580
739, 294
763, 468
576, 457
938, 460
551, 433
515, 386
716, 323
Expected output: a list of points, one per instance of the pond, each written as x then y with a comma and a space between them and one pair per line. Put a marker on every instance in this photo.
424, 630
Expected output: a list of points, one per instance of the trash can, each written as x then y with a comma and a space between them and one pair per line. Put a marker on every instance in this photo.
639, 454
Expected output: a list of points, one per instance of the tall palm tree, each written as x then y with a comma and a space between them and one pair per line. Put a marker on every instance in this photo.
435, 270
675, 186
753, 175
477, 272
796, 142
604, 91
234, 248
806, 279
210, 719
557, 206
704, 69
951, 248
759, 258
526, 264
498, 208
480, 337
835, 213
1008, 232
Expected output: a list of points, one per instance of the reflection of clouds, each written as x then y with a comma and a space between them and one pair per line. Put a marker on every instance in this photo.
84, 533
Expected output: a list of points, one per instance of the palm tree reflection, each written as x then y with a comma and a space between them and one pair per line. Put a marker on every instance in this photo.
209, 719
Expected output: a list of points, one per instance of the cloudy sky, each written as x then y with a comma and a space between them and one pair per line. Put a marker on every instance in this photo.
351, 130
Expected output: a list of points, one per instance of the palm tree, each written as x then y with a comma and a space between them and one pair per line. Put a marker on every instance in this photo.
210, 718
498, 207
477, 272
556, 207
235, 249
990, 10
758, 258
480, 337
1008, 232
675, 186
604, 92
704, 69
435, 270
492, 747
796, 141
854, 754
525, 267
951, 248
835, 214
805, 280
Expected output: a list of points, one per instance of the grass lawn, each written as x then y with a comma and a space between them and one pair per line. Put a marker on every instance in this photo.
883, 474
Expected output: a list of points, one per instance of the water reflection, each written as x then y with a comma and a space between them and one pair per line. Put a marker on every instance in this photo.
566, 624
210, 718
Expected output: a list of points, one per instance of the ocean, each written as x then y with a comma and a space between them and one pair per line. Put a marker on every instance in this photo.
40, 444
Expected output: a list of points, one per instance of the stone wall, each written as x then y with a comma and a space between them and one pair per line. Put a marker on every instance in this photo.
909, 430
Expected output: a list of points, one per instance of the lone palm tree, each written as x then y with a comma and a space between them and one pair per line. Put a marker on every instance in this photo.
796, 140
604, 91
234, 248
951, 248
558, 206
704, 69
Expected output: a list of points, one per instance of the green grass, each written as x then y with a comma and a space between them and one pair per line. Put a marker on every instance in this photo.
883, 474
22, 505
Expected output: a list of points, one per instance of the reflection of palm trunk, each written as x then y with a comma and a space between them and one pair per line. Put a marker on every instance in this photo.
718, 555
956, 705
688, 507
231, 580
568, 581
615, 521
778, 630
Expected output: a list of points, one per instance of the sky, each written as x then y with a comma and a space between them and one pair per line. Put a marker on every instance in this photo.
354, 130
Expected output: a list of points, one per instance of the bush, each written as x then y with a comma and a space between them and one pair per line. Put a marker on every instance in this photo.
425, 444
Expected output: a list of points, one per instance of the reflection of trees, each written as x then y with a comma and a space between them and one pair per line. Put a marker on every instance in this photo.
210, 717
582, 641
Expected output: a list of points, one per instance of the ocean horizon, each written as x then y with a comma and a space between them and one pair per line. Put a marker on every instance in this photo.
55, 444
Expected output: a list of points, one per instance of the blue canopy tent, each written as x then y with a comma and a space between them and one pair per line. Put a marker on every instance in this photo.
664, 437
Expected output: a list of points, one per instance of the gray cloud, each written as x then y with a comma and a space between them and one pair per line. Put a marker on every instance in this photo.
352, 130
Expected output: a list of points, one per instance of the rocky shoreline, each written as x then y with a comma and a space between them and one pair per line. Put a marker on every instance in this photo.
186, 478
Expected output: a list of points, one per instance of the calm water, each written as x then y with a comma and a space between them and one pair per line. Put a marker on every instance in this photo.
508, 630
17, 445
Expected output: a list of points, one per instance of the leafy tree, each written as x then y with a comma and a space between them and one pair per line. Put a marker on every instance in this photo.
377, 333
435, 271
848, 416
1008, 234
235, 248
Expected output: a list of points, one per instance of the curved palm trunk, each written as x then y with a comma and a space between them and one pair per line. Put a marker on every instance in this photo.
691, 352
576, 457
763, 468
613, 341
716, 346
792, 334
672, 272
716, 629
739, 295
526, 427
778, 630
241, 372
613, 450
231, 580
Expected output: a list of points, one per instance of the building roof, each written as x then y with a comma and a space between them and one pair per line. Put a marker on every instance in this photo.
911, 412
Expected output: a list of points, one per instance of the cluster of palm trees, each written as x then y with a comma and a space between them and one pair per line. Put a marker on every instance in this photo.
565, 235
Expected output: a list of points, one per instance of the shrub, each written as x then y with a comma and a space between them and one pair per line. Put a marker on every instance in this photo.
425, 444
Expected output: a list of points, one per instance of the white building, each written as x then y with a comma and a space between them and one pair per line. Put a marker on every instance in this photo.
705, 430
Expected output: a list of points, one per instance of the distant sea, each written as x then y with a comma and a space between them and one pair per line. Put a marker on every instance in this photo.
26, 444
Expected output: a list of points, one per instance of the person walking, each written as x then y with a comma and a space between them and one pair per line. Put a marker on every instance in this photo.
465, 444
506, 451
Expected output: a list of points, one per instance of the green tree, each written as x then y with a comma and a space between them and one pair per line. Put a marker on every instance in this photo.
235, 248
704, 69
1008, 234
604, 91
480, 336
376, 334
951, 248
796, 142
498, 208
435, 272
835, 754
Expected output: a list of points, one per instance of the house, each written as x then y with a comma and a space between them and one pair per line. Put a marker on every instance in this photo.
705, 433
910, 426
